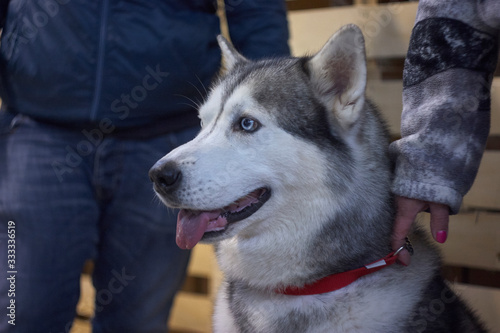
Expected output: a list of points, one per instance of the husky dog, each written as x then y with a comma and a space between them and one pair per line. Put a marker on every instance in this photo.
289, 178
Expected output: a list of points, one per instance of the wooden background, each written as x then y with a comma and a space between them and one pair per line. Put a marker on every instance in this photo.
472, 251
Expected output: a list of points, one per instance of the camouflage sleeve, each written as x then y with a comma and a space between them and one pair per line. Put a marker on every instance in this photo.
447, 78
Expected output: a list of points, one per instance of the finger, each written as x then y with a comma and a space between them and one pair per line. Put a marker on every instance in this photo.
404, 257
440, 216
407, 210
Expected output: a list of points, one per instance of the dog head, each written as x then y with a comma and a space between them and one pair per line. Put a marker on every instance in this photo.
279, 145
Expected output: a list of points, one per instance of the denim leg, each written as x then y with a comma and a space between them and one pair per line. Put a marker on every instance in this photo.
55, 226
139, 267
66, 206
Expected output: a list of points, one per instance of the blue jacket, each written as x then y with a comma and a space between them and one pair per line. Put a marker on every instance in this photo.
125, 63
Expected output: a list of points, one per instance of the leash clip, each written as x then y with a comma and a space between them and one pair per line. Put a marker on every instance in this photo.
406, 246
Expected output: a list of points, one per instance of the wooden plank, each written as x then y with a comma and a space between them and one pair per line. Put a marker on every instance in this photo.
365, 2
387, 96
495, 107
81, 326
202, 261
308, 4
473, 240
485, 192
387, 28
486, 302
192, 313
85, 306
215, 281
475, 276
204, 264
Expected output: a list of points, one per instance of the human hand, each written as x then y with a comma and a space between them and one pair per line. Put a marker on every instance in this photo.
406, 212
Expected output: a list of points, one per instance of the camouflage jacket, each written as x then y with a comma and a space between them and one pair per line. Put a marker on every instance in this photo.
447, 78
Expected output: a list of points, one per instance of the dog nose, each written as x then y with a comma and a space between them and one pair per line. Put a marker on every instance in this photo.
165, 176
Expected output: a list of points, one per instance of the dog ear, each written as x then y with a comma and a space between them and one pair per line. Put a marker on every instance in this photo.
230, 56
338, 74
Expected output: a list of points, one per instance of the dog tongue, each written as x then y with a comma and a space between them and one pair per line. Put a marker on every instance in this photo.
191, 226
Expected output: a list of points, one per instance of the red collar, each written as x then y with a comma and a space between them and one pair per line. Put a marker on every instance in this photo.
340, 280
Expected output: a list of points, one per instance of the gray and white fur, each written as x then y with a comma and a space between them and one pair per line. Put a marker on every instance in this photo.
295, 142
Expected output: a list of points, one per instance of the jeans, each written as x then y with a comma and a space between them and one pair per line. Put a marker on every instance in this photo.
70, 197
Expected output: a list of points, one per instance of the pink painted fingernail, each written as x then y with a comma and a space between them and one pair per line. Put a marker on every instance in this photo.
441, 236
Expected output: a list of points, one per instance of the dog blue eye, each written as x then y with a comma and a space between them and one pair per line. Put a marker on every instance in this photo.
248, 124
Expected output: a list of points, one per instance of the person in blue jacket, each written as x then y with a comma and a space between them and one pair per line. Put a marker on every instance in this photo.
93, 94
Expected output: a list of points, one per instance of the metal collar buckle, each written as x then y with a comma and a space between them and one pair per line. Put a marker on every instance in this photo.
406, 246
